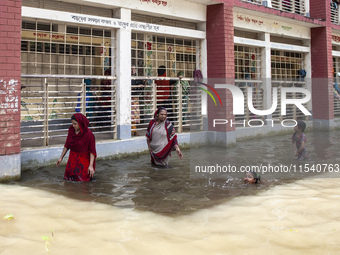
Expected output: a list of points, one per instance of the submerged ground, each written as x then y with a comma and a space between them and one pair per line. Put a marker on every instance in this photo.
134, 208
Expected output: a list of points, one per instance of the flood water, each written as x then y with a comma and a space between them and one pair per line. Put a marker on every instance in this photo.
133, 208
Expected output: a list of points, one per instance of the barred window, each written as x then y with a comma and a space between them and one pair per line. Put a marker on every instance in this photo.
253, 1
247, 70
46, 49
286, 66
176, 54
79, 57
294, 6
247, 63
336, 93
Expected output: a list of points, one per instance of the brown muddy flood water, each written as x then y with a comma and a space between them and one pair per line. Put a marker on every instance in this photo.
134, 208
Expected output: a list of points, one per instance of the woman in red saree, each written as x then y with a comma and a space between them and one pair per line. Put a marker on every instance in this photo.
161, 138
81, 143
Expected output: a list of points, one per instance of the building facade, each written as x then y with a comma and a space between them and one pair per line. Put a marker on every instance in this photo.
61, 57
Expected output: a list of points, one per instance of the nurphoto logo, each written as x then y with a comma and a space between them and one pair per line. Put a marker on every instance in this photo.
214, 90
238, 105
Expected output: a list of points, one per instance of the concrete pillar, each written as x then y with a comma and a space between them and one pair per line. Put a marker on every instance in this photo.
322, 66
266, 72
308, 68
203, 67
269, 3
221, 69
123, 74
10, 72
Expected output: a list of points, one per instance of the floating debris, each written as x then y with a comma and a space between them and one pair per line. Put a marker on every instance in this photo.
47, 240
9, 217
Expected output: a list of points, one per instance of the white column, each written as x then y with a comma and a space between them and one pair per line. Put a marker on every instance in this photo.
266, 71
204, 69
308, 68
123, 74
307, 8
269, 3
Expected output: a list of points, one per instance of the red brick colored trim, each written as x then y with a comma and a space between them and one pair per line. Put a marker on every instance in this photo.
10, 74
220, 50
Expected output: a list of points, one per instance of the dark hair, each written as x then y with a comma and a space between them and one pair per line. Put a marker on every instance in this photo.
301, 125
161, 109
108, 71
158, 111
74, 118
256, 176
161, 70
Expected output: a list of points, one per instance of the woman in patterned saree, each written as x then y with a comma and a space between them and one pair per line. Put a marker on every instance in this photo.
81, 143
161, 138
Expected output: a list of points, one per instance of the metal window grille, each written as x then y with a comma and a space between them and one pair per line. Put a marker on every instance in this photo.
292, 112
47, 104
285, 65
183, 104
247, 63
176, 54
286, 72
248, 74
50, 48
294, 6
257, 99
63, 73
336, 94
179, 57
253, 1
334, 12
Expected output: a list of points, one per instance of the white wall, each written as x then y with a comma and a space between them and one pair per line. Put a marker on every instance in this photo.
123, 23
172, 8
272, 26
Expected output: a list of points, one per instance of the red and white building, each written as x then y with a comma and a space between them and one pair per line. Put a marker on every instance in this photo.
58, 57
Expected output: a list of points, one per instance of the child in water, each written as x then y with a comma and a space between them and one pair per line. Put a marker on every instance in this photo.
299, 138
251, 178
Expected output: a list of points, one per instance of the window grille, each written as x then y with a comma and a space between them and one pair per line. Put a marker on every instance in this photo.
176, 54
47, 104
259, 2
65, 69
336, 94
294, 6
248, 74
77, 51
179, 57
285, 65
286, 68
334, 12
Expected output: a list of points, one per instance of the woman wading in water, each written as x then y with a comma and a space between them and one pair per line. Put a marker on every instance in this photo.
162, 138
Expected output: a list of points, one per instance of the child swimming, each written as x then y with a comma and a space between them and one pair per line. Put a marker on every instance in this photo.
251, 178
299, 138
